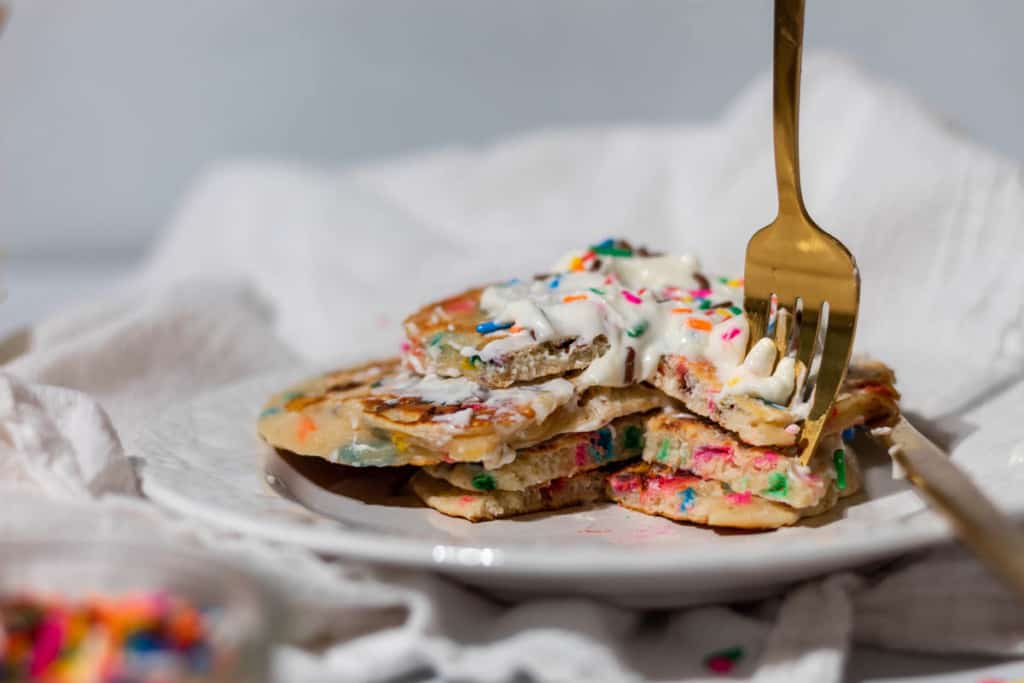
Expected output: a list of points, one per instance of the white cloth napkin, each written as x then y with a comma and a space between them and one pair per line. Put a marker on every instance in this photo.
268, 264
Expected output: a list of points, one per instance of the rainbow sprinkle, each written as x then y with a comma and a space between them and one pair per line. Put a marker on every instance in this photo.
663, 451
848, 434
611, 250
633, 438
492, 326
689, 496
839, 458
739, 498
723, 661
631, 297
132, 638
484, 482
778, 485
638, 329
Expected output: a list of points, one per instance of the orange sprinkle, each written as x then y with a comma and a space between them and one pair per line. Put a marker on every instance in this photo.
573, 297
682, 310
305, 426
514, 329
698, 324
576, 264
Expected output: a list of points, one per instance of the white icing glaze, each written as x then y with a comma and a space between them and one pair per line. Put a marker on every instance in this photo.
640, 306
434, 389
542, 398
460, 418
754, 376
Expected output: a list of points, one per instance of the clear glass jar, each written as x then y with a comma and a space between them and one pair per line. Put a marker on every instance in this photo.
238, 612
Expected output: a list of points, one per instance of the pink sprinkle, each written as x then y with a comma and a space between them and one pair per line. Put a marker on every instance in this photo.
731, 334
460, 305
47, 647
624, 482
608, 280
581, 454
700, 293
766, 461
720, 665
630, 297
793, 429
641, 291
705, 454
738, 498
466, 499
406, 346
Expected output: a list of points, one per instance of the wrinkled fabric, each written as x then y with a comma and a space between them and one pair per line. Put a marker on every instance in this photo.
268, 265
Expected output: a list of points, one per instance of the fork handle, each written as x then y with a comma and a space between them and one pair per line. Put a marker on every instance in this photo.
981, 526
789, 38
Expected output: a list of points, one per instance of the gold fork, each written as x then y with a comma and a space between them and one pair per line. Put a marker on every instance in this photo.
797, 274
795, 266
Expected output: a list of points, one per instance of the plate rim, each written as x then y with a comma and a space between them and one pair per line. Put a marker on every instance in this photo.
514, 558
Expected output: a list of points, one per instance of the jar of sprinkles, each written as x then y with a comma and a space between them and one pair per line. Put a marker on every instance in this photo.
121, 613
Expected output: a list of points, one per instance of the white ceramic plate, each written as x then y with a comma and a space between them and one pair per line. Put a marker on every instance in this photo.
205, 460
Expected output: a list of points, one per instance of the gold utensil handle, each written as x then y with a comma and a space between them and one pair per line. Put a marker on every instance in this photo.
789, 38
982, 527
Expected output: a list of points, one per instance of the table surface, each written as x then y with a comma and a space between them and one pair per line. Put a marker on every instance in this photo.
37, 288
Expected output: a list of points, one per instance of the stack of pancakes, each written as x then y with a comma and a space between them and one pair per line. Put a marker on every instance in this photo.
621, 375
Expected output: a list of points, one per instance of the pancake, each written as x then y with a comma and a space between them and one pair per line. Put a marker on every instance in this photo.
478, 506
380, 415
616, 316
684, 497
442, 339
563, 456
685, 442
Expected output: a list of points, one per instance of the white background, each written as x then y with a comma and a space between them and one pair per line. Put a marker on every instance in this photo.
108, 108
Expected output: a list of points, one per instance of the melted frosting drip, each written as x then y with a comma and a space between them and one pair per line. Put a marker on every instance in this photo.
645, 308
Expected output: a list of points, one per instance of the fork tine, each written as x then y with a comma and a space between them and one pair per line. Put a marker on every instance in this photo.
757, 312
817, 353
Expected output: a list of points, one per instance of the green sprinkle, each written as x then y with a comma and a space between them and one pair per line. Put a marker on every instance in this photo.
611, 251
638, 329
274, 410
475, 361
778, 485
724, 280
595, 290
436, 339
376, 384
663, 451
292, 395
484, 482
705, 304
839, 458
735, 310
633, 438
